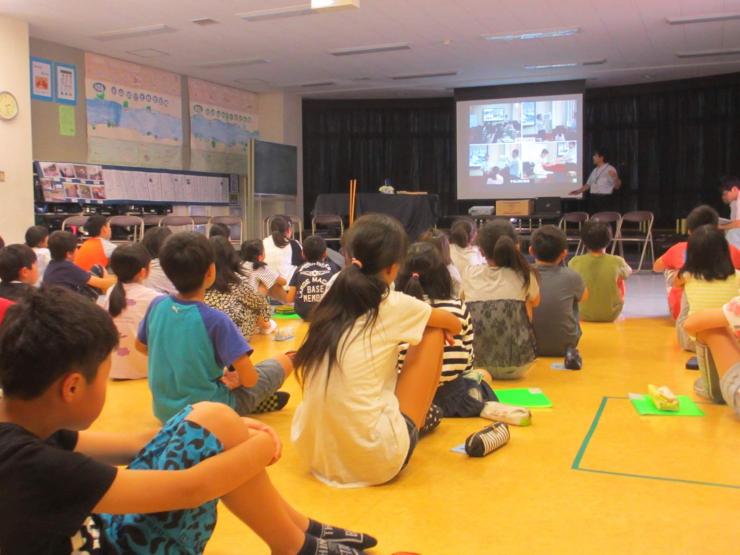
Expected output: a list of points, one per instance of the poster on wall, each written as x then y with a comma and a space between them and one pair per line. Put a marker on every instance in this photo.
41, 79
134, 114
222, 121
67, 182
65, 83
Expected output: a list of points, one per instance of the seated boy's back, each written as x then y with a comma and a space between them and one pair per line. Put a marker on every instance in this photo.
603, 275
308, 284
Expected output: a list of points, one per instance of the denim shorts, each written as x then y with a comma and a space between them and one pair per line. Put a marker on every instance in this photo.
180, 444
271, 377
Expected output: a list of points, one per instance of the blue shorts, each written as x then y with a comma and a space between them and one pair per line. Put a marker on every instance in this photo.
271, 377
179, 444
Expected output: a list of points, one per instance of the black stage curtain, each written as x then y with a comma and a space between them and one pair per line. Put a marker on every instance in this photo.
410, 142
671, 142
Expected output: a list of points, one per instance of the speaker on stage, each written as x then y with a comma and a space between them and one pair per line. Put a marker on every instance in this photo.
548, 206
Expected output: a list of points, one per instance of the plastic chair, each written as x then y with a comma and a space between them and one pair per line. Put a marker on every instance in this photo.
231, 221
135, 223
642, 235
609, 218
331, 221
177, 221
574, 218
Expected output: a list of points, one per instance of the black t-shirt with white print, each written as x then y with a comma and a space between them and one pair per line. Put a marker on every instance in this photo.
310, 281
47, 494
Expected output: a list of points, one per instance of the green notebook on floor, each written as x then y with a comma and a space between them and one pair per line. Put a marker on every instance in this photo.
282, 316
644, 406
529, 397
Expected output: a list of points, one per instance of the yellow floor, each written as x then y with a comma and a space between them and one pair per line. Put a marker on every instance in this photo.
644, 484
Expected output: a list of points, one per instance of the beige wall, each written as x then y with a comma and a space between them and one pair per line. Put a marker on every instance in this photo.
16, 156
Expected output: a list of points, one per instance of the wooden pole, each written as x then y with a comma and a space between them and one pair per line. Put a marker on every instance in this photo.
352, 200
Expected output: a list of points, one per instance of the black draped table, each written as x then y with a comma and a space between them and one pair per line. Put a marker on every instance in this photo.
417, 213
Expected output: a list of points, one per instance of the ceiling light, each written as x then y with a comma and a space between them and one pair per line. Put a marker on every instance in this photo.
134, 32
329, 5
204, 21
537, 34
552, 66
706, 53
370, 49
424, 75
147, 53
702, 18
233, 63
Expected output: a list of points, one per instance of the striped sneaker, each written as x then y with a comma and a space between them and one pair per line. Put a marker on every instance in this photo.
487, 440
274, 402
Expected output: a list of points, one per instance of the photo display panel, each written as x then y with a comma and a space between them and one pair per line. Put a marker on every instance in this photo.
525, 147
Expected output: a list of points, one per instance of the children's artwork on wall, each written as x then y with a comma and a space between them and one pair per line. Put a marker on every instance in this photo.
134, 113
65, 83
42, 87
222, 121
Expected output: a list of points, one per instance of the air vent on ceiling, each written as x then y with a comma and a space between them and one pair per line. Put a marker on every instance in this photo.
317, 84
424, 75
134, 32
204, 21
373, 49
233, 63
599, 62
148, 53
708, 53
706, 18
276, 13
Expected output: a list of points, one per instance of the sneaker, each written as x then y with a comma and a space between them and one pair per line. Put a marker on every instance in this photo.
510, 414
700, 387
573, 360
269, 329
692, 364
274, 402
487, 440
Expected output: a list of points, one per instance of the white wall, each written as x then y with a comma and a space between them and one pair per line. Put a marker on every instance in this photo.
16, 156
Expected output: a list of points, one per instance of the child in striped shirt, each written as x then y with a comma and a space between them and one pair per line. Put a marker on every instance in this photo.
424, 276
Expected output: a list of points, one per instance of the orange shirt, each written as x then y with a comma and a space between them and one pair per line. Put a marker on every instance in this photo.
91, 252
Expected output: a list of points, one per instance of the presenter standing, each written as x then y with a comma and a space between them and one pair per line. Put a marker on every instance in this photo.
602, 183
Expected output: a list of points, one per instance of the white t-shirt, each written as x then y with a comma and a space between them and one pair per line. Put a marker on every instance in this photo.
462, 258
127, 362
601, 180
43, 256
489, 283
158, 280
456, 280
279, 258
351, 431
108, 247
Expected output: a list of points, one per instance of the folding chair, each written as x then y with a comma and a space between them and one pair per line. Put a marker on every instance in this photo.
332, 222
201, 224
177, 221
134, 226
75, 222
643, 234
152, 219
573, 218
231, 221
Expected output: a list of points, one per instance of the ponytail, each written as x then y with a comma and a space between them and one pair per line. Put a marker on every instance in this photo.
462, 233
424, 273
279, 230
250, 251
126, 262
506, 254
375, 242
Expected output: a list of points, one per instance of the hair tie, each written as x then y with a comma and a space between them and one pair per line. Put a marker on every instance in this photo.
357, 263
415, 275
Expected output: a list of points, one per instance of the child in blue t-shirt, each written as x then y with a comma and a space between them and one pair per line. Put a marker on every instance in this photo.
196, 353
308, 284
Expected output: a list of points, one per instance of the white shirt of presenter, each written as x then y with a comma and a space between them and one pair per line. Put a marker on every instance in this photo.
603, 180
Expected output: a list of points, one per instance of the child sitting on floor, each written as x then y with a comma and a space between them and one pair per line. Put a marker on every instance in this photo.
18, 271
360, 419
717, 331
62, 271
500, 295
309, 281
440, 240
463, 251
282, 253
37, 237
232, 294
127, 302
153, 240
63, 491
709, 280
196, 353
97, 249
262, 278
555, 320
603, 274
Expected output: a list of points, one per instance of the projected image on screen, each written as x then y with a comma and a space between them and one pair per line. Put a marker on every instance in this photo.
519, 148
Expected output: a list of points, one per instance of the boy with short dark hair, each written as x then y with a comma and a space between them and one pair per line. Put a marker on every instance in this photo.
196, 353
555, 320
603, 274
308, 284
18, 271
62, 490
61, 270
37, 237
97, 249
